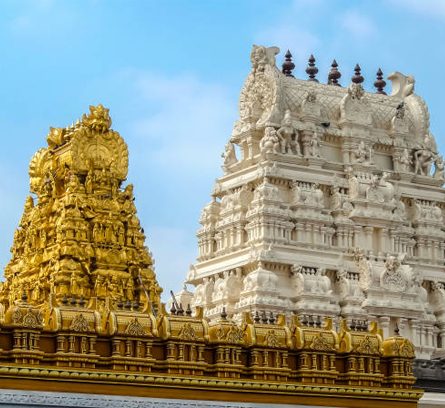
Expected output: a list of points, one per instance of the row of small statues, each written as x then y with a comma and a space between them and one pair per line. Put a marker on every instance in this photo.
285, 140
76, 285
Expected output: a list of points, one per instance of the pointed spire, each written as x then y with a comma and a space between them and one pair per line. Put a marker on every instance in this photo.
173, 309
73, 301
380, 83
24, 297
264, 317
64, 300
188, 312
334, 74
357, 78
288, 65
224, 314
271, 318
311, 69
257, 318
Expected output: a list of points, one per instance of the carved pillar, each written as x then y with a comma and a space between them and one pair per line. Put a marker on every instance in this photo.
358, 236
346, 149
368, 237
254, 355
60, 344
306, 136
200, 353
171, 351
92, 341
128, 348
71, 340
17, 340
384, 324
116, 347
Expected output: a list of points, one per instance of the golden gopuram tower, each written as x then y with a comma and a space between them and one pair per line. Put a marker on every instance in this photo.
81, 317
80, 239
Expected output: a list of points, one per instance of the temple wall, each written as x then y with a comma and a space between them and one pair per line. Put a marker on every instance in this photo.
34, 399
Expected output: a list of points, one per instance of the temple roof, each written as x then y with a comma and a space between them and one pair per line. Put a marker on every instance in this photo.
268, 93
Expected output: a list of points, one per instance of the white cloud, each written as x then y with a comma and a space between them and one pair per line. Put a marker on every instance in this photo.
302, 43
173, 251
357, 23
187, 121
433, 8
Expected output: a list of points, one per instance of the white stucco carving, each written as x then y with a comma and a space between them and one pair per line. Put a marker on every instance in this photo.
335, 207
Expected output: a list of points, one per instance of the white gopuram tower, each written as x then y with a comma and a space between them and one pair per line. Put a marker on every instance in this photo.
334, 208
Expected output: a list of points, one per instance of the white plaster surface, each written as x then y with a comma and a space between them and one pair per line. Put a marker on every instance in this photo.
432, 400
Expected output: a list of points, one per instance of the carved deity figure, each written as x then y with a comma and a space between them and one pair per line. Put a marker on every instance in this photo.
363, 154
423, 159
314, 147
339, 201
229, 156
405, 161
439, 172
289, 136
270, 143
393, 277
425, 156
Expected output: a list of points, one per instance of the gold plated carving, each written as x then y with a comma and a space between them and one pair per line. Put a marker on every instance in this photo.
80, 236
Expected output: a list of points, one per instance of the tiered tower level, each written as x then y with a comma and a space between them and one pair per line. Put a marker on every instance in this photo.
334, 208
80, 238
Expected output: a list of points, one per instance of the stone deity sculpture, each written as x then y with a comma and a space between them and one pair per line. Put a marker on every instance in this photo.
289, 136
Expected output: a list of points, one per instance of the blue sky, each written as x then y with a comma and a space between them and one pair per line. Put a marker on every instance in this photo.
171, 72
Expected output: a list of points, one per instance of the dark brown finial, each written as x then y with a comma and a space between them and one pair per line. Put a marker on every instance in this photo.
334, 74
305, 321
128, 304
224, 314
311, 322
257, 318
397, 330
357, 78
73, 301
311, 69
120, 304
264, 317
188, 312
271, 318
352, 326
173, 309
288, 65
82, 301
64, 300
24, 297
380, 83
318, 322
180, 310
135, 305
